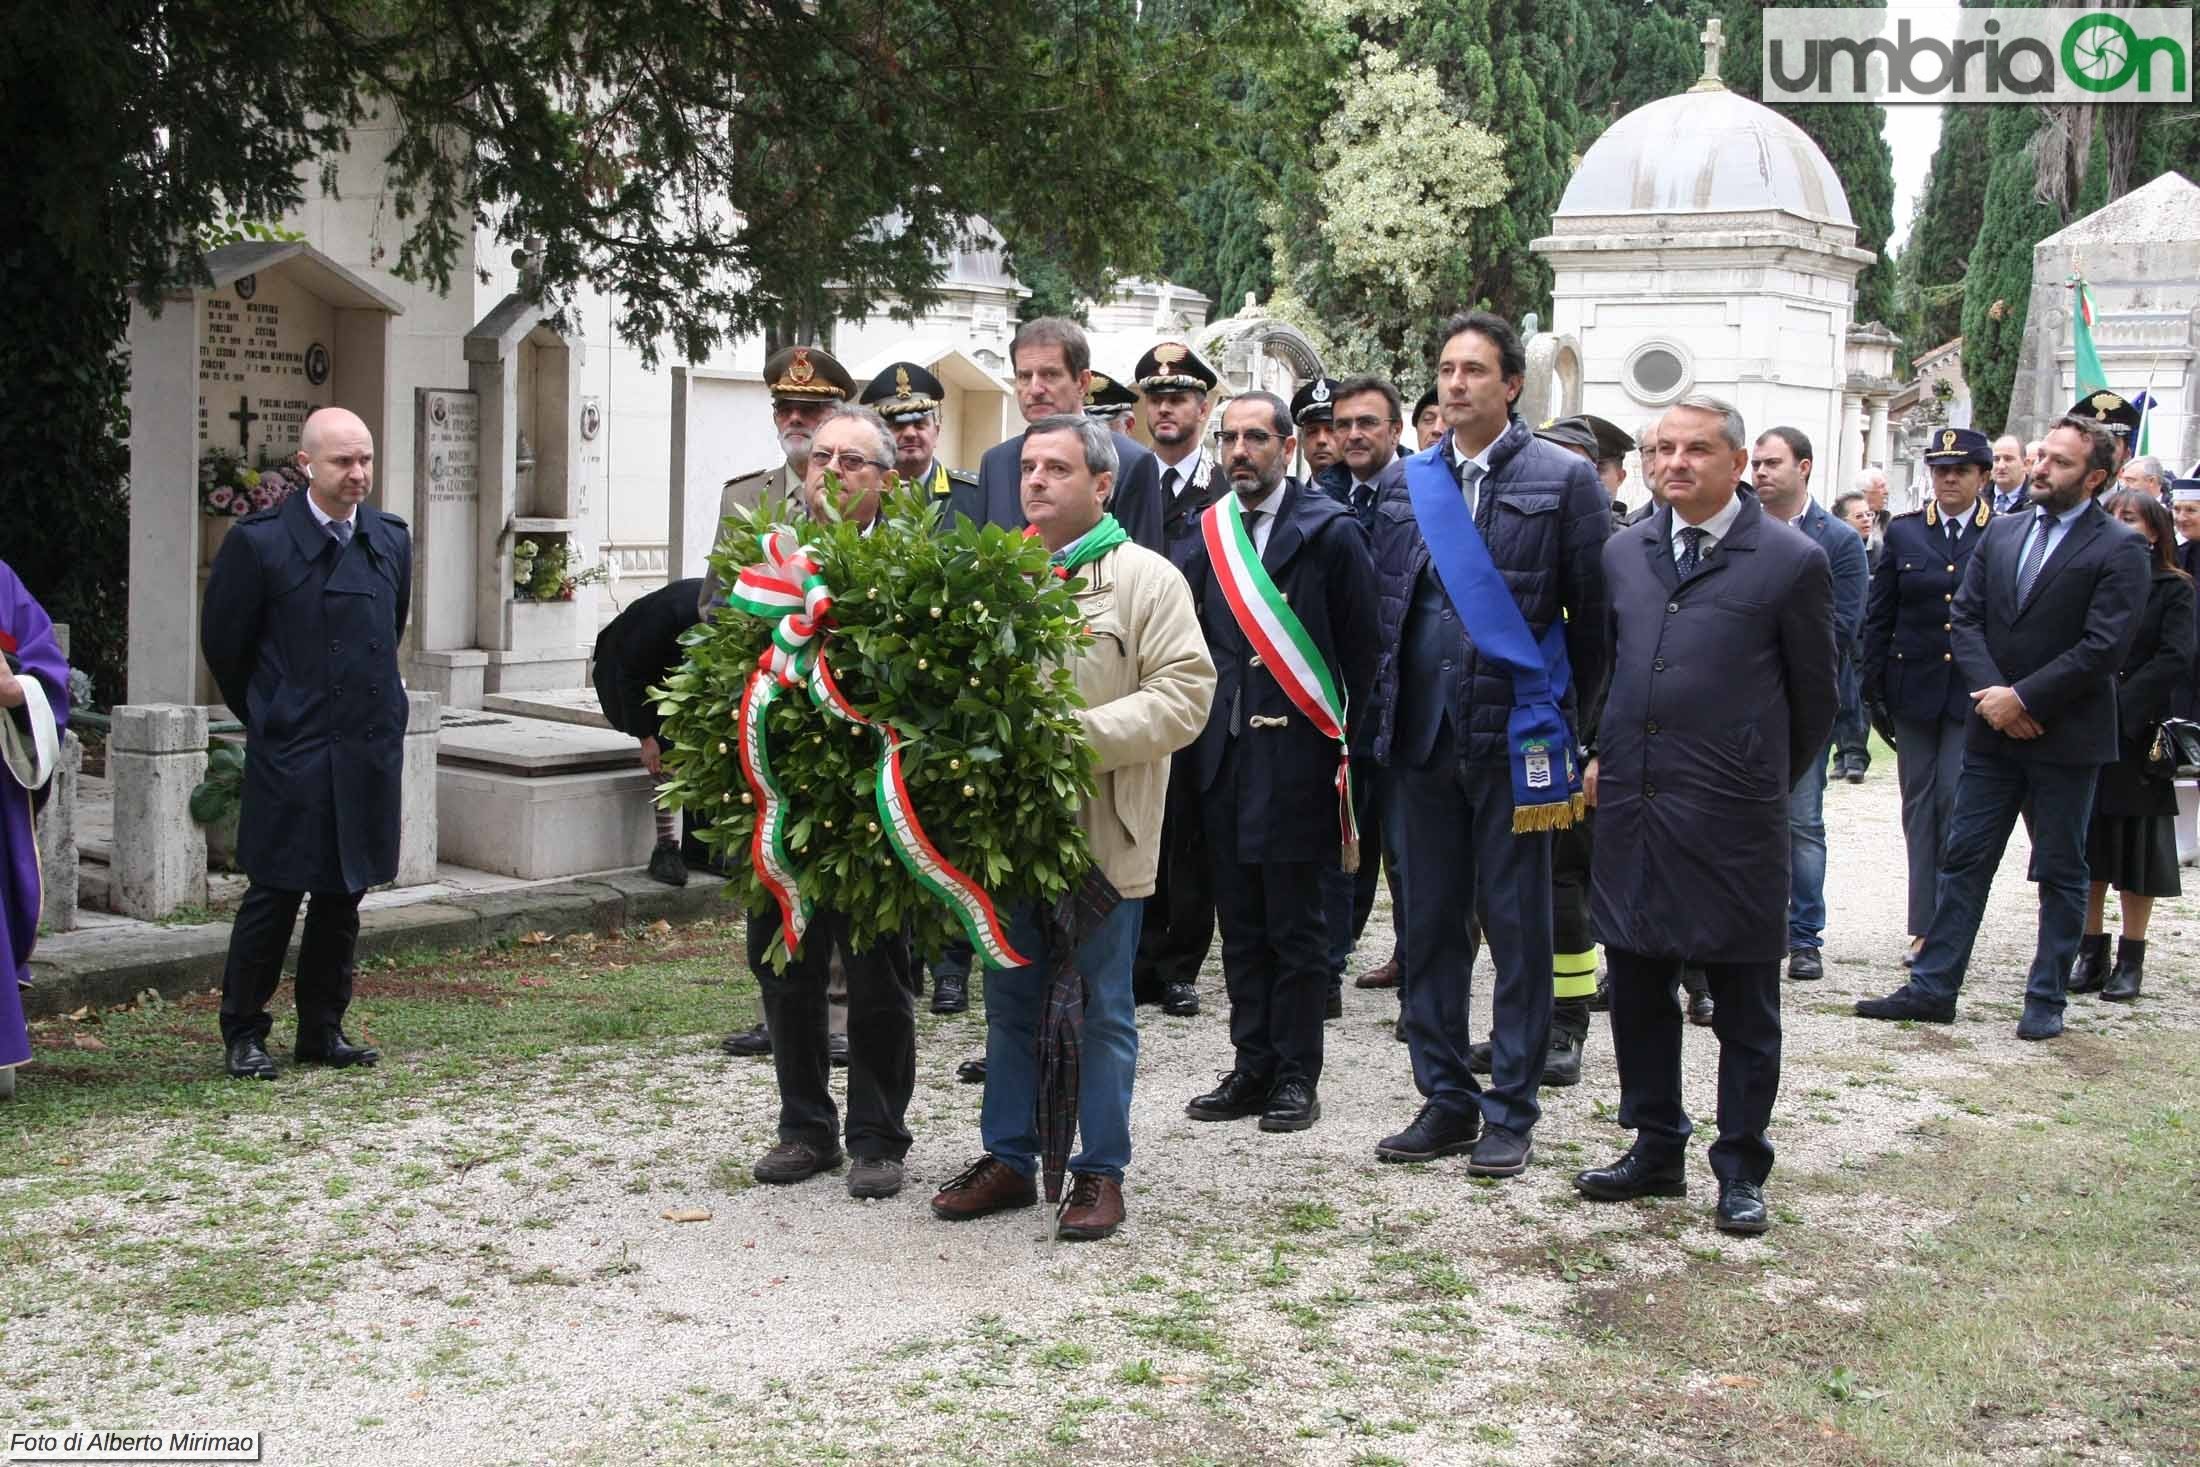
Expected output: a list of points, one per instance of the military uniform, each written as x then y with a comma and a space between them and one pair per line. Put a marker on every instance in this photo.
1107, 401
1178, 926
905, 393
1910, 666
805, 374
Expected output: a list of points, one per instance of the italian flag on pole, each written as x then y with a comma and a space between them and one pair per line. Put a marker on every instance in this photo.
2090, 377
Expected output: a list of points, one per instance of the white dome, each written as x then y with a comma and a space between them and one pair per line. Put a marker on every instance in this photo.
1706, 152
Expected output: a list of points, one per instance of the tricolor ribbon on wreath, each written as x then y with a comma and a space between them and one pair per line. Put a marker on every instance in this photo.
1287, 650
788, 589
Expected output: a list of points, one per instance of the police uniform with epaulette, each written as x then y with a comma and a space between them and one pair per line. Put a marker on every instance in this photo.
1911, 680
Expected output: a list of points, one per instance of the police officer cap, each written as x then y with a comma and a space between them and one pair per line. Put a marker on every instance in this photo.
1599, 438
2184, 491
807, 374
1959, 446
1316, 402
1171, 366
2108, 409
904, 392
1108, 398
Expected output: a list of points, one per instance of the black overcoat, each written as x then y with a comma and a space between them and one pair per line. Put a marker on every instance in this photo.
2158, 664
1722, 689
302, 640
1285, 798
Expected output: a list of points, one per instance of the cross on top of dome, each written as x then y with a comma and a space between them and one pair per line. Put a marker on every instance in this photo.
1714, 42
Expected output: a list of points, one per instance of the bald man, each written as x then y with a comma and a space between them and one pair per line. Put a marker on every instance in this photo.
304, 611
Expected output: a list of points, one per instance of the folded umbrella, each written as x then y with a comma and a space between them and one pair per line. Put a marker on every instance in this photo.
1062, 1026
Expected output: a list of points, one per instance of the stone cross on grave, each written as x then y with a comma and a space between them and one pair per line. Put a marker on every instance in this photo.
1714, 42
245, 418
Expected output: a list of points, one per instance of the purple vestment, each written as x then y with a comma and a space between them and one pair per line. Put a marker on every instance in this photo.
26, 636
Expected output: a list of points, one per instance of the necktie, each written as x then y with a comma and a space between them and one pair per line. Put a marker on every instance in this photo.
2034, 557
1255, 519
1955, 531
1168, 483
340, 532
1692, 538
1363, 496
1470, 481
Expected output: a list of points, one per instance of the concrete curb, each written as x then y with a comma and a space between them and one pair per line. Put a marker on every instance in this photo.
108, 967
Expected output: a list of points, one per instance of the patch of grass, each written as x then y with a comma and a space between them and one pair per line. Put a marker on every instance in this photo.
2047, 1320
1309, 1217
1138, 1373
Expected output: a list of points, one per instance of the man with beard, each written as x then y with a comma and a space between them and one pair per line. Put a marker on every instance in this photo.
1052, 362
1286, 597
2048, 606
1179, 922
805, 383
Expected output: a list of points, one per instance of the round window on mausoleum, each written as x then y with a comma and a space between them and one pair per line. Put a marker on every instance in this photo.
1657, 372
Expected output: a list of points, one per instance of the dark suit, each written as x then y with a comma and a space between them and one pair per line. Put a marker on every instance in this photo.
1268, 789
1909, 664
1723, 688
1177, 927
301, 636
2059, 649
1135, 500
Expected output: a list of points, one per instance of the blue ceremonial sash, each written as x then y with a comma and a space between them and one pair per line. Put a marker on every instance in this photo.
1546, 770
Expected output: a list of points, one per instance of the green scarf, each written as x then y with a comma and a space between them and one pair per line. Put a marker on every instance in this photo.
1088, 547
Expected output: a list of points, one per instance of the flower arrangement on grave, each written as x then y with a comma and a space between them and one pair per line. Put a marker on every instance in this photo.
885, 725
544, 570
228, 487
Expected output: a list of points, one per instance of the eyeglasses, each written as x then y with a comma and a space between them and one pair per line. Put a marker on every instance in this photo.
1363, 424
1253, 438
849, 462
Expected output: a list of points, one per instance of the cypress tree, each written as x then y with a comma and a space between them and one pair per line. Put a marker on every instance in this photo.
1938, 252
1998, 285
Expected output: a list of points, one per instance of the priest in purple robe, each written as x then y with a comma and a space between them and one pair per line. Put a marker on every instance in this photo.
34, 706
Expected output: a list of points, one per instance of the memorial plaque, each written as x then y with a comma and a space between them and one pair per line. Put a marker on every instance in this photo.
446, 513
263, 366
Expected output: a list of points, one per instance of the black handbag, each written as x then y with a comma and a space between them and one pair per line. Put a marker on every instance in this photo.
2175, 751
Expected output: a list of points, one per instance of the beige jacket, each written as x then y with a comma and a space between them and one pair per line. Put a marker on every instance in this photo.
1147, 682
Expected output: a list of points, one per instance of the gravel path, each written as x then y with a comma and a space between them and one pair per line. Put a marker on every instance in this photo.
490, 1279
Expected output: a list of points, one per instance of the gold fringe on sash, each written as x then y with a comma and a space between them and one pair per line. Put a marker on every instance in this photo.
1558, 815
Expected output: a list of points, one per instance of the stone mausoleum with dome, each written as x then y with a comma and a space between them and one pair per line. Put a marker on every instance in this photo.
1705, 244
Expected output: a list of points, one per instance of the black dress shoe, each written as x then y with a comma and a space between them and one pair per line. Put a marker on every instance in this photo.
666, 866
1435, 1132
1239, 1095
1180, 1000
1478, 1057
1742, 1208
971, 1072
1294, 1107
1502, 1152
249, 1060
1806, 965
1637, 1174
1701, 1011
836, 1049
1906, 1003
334, 1050
950, 993
749, 1043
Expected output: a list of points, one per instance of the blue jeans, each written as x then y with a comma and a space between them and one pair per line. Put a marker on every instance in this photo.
1993, 791
1015, 1001
1851, 730
1807, 855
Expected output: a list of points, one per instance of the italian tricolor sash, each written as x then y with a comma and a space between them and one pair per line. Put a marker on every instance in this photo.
1287, 650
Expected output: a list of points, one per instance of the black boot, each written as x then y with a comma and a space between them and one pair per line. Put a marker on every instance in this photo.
2131, 961
2091, 970
1569, 1030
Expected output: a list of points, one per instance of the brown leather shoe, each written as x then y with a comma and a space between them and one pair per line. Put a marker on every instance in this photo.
987, 1185
1094, 1209
1385, 976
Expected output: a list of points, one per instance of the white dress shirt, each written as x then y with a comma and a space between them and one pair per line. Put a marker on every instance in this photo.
1714, 529
1470, 484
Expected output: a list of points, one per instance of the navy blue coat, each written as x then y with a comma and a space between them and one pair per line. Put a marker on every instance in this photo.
1135, 500
302, 640
1851, 567
1282, 789
1909, 628
2061, 649
1180, 515
1723, 689
1544, 515
1336, 482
